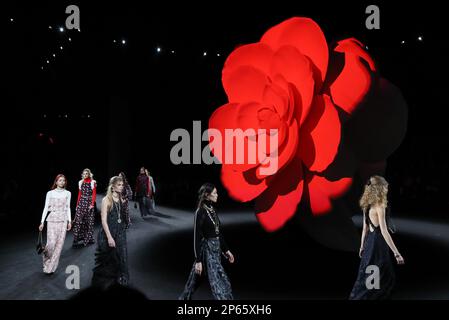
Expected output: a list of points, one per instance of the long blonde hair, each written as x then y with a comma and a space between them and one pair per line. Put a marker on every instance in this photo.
375, 193
112, 182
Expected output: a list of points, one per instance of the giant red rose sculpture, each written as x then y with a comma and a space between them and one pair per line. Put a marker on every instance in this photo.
286, 82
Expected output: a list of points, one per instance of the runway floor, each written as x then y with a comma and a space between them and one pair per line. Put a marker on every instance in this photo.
268, 266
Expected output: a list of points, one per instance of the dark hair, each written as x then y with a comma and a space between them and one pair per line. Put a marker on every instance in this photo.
205, 190
125, 180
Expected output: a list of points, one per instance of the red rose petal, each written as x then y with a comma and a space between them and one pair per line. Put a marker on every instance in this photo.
320, 135
257, 55
278, 203
261, 119
222, 118
240, 188
296, 69
247, 116
293, 100
283, 156
269, 118
244, 84
354, 81
321, 191
357, 48
306, 36
226, 120
275, 96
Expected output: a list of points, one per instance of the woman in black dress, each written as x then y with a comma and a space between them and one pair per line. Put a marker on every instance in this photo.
376, 277
208, 245
111, 258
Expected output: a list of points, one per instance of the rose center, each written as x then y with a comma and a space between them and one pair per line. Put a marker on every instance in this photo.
268, 118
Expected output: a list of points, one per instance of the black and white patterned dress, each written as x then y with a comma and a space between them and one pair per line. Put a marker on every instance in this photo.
209, 247
83, 224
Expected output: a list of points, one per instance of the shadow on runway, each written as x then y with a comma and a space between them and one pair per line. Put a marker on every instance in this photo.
161, 215
287, 264
290, 265
156, 221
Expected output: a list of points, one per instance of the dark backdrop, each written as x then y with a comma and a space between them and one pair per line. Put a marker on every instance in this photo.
111, 106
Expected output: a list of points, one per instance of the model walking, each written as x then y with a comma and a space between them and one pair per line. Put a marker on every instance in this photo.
57, 206
83, 225
111, 257
144, 192
209, 245
376, 277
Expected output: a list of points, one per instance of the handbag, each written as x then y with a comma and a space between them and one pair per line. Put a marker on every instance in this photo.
39, 245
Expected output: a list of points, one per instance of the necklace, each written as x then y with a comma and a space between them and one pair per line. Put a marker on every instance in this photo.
214, 220
208, 208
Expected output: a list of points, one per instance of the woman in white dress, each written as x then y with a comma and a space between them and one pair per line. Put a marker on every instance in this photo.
59, 221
